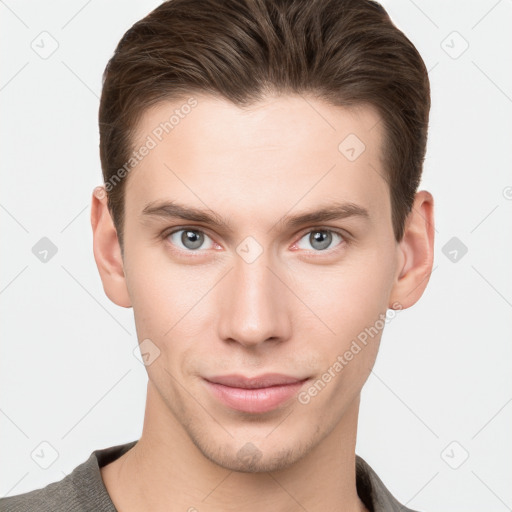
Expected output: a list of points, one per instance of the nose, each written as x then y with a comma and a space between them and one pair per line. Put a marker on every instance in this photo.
254, 304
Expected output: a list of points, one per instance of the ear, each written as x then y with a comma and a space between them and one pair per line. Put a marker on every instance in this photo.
107, 251
416, 253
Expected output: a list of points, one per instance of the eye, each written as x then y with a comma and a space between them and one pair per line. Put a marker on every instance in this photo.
190, 239
320, 239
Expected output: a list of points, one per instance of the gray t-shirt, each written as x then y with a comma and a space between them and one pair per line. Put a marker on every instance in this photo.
83, 489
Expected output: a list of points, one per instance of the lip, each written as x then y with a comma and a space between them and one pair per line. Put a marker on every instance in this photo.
254, 394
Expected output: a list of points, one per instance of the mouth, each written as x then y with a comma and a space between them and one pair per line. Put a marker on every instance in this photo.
254, 394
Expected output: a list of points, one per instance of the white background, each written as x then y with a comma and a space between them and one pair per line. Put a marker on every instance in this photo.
68, 375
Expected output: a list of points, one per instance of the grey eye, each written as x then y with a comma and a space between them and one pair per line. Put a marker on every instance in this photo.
190, 239
320, 239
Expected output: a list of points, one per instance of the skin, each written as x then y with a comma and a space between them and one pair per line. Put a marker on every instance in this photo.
293, 310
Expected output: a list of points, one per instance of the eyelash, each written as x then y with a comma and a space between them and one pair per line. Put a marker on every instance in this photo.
345, 239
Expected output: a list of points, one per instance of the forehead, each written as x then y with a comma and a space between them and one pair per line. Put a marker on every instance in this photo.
279, 152
278, 122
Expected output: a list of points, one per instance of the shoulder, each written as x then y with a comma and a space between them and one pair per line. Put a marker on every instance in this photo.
76, 492
372, 491
55, 496
61, 495
82, 490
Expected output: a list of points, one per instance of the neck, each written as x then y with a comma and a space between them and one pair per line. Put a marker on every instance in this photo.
165, 471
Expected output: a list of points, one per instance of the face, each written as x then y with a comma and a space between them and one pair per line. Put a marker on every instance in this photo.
255, 292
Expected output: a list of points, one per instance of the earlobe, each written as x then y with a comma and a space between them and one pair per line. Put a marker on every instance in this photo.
416, 253
107, 252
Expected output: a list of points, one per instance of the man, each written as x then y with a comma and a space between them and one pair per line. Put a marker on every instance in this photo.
260, 214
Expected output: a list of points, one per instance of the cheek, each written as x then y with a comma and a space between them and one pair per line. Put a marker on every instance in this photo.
169, 302
352, 306
352, 301
351, 297
162, 291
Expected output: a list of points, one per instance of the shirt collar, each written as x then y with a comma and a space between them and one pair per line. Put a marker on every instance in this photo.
372, 491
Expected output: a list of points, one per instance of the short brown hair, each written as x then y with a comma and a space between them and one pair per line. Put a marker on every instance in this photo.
346, 52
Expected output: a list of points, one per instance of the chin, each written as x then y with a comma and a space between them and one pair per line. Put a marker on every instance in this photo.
250, 459
258, 456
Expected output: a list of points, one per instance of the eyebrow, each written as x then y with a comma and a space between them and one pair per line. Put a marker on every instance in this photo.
333, 211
